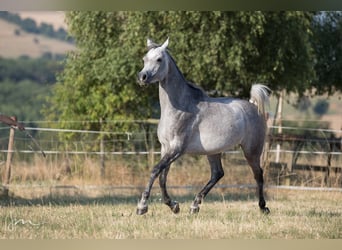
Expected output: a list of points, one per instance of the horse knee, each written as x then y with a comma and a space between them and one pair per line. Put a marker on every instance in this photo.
219, 175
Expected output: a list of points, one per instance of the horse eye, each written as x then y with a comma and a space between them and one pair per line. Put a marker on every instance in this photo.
159, 60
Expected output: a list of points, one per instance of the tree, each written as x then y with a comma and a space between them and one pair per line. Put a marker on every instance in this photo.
47, 30
224, 52
327, 42
321, 107
41, 70
23, 99
98, 82
30, 25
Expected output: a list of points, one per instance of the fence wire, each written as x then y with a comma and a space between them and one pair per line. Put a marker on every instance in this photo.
312, 152
129, 138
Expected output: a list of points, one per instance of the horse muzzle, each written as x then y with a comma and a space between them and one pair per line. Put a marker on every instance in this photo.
143, 78
146, 77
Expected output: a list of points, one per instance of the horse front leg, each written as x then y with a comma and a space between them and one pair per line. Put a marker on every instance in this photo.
174, 205
216, 174
164, 163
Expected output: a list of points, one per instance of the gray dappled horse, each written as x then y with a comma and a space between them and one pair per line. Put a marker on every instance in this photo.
194, 123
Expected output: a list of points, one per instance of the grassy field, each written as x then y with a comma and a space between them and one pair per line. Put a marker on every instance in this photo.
40, 208
47, 202
228, 215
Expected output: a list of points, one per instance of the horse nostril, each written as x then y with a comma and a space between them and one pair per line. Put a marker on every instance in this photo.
142, 76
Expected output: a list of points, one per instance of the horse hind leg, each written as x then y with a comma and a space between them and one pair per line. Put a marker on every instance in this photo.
216, 174
254, 162
173, 205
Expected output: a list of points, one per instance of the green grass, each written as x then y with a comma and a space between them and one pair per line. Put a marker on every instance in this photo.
294, 215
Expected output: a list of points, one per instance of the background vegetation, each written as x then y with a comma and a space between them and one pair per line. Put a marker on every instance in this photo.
224, 52
25, 84
29, 25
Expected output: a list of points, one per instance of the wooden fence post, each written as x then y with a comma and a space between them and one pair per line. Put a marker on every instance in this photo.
102, 153
279, 122
6, 175
289, 169
328, 169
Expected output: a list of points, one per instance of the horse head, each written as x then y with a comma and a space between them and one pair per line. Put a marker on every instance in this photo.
156, 63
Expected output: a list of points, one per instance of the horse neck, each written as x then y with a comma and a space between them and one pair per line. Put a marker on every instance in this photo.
174, 90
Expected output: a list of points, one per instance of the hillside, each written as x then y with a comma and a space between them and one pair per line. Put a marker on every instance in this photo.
15, 42
333, 116
55, 18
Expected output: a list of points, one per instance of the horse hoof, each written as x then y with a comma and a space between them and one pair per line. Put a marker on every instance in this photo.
175, 208
265, 210
194, 210
141, 211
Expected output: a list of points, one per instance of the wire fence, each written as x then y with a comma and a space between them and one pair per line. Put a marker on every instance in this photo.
302, 151
138, 137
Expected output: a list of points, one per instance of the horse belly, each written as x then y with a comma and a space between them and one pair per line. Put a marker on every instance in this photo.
213, 141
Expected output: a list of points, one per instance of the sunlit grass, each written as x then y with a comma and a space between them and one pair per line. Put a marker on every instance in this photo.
294, 215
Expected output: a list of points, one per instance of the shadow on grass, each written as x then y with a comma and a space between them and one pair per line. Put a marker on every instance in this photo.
114, 199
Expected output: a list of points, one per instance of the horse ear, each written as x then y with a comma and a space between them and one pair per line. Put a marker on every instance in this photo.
149, 42
165, 44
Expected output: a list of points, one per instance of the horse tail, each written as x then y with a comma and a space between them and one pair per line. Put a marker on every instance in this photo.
260, 97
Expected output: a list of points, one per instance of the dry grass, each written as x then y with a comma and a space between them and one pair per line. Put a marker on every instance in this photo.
55, 18
90, 207
134, 171
294, 215
31, 45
